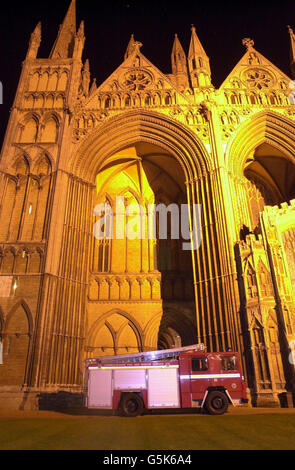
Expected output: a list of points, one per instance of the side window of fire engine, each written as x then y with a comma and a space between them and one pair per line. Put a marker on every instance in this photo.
228, 363
199, 364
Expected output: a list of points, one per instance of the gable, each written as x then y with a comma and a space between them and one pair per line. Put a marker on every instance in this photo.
255, 72
138, 81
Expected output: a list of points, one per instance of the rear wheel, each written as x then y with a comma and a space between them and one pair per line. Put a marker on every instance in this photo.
216, 403
131, 405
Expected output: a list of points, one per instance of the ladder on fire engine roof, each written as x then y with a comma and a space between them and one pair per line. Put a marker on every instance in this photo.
147, 356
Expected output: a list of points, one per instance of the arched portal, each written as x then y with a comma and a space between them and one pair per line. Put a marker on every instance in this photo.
170, 161
261, 162
272, 175
148, 157
140, 227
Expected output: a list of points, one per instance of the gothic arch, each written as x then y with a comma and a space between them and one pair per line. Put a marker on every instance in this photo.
42, 158
29, 128
21, 303
24, 159
135, 126
37, 147
265, 127
132, 191
17, 333
98, 324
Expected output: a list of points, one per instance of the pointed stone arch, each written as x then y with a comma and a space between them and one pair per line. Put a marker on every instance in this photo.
22, 164
50, 128
265, 127
123, 320
134, 126
23, 304
17, 333
43, 164
29, 129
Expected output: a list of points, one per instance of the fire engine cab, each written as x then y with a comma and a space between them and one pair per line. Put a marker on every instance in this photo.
185, 377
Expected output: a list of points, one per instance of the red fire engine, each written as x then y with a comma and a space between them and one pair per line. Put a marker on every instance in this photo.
185, 377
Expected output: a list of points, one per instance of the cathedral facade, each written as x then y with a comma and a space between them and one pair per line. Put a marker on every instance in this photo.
146, 138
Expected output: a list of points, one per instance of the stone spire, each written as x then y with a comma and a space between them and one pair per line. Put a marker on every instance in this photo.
292, 51
178, 57
64, 43
179, 64
34, 42
198, 62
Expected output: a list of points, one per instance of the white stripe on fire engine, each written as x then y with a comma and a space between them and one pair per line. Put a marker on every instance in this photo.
133, 368
210, 376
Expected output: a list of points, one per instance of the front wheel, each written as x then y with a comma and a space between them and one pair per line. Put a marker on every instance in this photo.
216, 403
131, 405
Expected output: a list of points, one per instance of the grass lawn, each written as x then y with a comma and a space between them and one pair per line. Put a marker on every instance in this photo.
227, 432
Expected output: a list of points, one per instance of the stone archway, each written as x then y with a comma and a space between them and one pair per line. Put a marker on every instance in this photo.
266, 127
260, 160
216, 323
115, 332
140, 126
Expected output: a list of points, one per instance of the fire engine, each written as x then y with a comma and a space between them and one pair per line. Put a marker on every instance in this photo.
179, 378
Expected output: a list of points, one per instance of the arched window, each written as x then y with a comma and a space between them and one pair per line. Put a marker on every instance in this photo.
200, 62
224, 118
52, 82
33, 84
14, 199
234, 99
49, 101
29, 131
43, 82
167, 99
59, 102
107, 102
49, 133
39, 102
116, 101
103, 239
157, 99
62, 82
29, 101
272, 99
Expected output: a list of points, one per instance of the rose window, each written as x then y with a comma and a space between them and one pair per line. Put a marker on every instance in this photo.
258, 79
137, 80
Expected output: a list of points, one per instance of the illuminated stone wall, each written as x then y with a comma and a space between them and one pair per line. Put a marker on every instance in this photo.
148, 137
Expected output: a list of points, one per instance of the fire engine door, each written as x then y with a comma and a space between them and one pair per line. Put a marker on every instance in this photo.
199, 377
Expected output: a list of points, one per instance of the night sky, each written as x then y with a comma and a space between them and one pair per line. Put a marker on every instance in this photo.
221, 26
